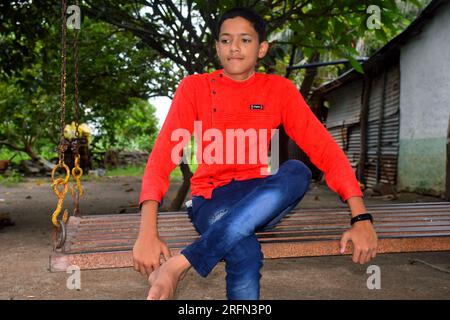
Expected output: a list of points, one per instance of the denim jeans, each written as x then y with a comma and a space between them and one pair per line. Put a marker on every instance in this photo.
228, 221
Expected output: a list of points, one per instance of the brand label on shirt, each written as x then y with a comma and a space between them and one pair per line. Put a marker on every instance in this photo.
256, 107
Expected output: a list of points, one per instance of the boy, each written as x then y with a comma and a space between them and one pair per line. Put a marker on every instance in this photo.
231, 200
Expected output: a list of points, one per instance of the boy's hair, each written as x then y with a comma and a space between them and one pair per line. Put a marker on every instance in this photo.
254, 18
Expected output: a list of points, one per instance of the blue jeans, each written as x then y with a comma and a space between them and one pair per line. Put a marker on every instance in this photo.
228, 221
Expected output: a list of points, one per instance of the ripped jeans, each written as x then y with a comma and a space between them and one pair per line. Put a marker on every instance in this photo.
228, 221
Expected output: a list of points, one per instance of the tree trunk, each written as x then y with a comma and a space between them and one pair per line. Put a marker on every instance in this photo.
290, 149
184, 188
28, 149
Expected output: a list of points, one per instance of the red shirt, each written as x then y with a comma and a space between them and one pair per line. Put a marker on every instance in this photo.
222, 103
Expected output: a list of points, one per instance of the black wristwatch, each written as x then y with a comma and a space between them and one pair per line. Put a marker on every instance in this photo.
361, 217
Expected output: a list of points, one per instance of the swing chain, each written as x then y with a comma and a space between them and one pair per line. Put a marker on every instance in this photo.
59, 223
63, 143
77, 190
77, 172
60, 194
77, 100
61, 186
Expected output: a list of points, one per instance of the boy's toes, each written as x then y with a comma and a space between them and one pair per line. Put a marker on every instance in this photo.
152, 296
154, 293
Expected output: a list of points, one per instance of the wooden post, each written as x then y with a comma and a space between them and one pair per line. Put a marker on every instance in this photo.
380, 128
447, 183
364, 117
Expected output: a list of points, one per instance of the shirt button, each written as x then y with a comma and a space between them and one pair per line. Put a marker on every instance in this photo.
213, 80
214, 109
213, 92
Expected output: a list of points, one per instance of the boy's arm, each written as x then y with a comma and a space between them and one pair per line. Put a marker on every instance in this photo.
162, 159
313, 138
148, 247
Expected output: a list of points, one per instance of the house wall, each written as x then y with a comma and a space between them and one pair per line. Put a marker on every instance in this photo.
425, 107
344, 114
383, 127
343, 122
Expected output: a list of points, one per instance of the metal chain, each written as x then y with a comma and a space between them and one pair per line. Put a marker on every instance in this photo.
62, 141
77, 100
75, 142
77, 171
59, 224
59, 234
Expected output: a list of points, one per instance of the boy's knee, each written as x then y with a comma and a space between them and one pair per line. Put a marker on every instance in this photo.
299, 178
297, 167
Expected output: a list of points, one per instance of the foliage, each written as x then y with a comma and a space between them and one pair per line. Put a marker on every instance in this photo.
11, 179
135, 50
130, 171
117, 76
133, 128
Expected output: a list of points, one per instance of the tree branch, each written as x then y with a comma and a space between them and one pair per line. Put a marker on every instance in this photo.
11, 145
148, 34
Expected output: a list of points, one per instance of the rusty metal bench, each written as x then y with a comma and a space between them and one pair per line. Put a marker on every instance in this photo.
106, 241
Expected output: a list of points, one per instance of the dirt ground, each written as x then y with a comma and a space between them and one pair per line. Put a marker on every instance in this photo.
25, 250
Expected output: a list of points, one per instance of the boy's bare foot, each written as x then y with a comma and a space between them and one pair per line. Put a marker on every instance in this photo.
164, 280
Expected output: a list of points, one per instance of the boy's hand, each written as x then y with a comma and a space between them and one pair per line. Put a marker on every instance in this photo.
147, 254
364, 239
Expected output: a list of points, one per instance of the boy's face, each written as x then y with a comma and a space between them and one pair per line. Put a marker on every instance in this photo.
238, 48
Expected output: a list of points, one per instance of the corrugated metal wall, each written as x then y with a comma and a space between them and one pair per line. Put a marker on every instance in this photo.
343, 118
343, 122
381, 165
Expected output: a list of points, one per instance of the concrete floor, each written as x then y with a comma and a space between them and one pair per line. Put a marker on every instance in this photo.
25, 250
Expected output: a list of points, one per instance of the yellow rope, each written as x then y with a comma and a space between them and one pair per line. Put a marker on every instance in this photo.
60, 194
77, 173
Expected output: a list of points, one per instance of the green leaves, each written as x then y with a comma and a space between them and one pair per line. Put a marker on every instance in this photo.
355, 64
340, 30
114, 77
129, 52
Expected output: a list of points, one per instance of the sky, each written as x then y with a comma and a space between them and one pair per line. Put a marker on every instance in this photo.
162, 106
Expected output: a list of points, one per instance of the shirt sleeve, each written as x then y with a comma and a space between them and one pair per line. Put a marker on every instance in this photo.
180, 118
302, 126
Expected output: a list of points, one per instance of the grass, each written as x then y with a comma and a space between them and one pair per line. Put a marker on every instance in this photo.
14, 156
16, 177
138, 171
12, 179
176, 174
129, 171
